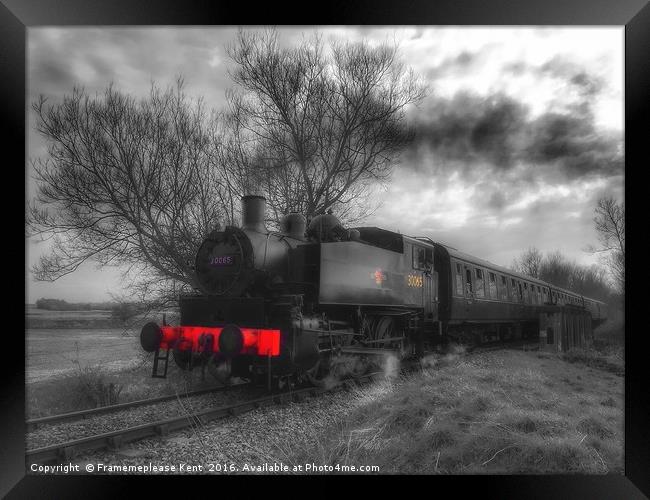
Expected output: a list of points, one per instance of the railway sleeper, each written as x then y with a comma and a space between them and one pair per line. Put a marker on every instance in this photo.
115, 442
162, 430
68, 453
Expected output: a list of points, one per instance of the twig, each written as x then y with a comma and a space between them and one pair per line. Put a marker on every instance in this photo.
583, 438
601, 458
503, 449
438, 458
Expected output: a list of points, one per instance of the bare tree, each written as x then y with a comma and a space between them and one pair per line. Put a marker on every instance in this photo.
591, 281
529, 262
319, 124
556, 269
139, 183
127, 182
610, 225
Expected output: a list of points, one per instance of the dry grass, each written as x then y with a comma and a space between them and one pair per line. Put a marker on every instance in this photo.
91, 386
607, 352
498, 412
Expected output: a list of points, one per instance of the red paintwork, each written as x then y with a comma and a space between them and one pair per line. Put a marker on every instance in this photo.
263, 342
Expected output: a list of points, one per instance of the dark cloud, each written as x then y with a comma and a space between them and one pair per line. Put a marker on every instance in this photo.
497, 200
558, 67
573, 141
498, 132
464, 61
574, 75
55, 72
471, 128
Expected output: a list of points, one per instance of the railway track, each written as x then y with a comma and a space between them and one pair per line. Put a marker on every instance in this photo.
525, 345
115, 439
34, 423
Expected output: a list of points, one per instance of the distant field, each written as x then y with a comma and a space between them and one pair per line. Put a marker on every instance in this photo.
93, 319
45, 313
58, 342
56, 351
72, 369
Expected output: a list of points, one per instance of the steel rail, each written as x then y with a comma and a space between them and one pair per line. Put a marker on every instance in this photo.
115, 439
84, 414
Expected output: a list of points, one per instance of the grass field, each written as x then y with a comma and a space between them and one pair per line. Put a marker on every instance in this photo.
89, 365
91, 386
500, 412
57, 351
68, 370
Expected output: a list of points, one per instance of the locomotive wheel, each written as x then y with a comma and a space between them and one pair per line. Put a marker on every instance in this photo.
182, 358
221, 370
331, 370
319, 372
384, 327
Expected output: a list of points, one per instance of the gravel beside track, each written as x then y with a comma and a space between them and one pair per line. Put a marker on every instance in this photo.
49, 434
262, 436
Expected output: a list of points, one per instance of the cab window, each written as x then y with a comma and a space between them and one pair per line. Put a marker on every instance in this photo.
419, 258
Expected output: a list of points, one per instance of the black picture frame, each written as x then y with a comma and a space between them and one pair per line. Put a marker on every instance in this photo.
16, 16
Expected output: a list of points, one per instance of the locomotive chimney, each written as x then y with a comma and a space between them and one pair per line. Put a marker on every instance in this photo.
253, 209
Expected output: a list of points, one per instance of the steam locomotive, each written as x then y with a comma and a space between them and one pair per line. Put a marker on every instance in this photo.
287, 305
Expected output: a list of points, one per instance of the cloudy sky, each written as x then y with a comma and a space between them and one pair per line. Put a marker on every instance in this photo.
521, 132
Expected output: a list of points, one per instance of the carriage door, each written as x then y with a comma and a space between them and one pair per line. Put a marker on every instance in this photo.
430, 287
423, 262
469, 286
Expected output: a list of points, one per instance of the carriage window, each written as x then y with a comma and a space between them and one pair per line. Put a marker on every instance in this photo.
539, 294
526, 295
480, 283
468, 280
459, 279
521, 293
493, 286
513, 290
503, 292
